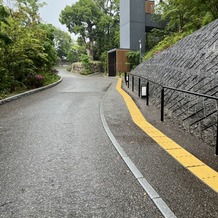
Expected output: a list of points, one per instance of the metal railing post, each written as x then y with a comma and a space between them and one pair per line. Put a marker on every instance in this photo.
125, 77
162, 104
216, 151
147, 93
133, 83
139, 88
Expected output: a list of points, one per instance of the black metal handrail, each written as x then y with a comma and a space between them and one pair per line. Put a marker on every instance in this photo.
192, 93
163, 88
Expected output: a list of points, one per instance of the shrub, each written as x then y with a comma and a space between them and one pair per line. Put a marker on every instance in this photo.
133, 57
104, 61
85, 59
164, 44
39, 79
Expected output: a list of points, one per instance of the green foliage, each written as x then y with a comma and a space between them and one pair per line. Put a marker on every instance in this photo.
26, 47
104, 60
108, 29
133, 57
62, 41
183, 17
4, 14
82, 18
85, 59
49, 77
154, 37
207, 18
74, 52
164, 44
96, 22
32, 81
186, 15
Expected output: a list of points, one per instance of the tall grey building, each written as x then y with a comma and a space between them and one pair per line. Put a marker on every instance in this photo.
132, 24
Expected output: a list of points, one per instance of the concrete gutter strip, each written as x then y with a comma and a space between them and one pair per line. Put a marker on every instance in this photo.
15, 97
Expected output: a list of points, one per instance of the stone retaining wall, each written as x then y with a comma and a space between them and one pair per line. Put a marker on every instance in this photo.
95, 66
192, 65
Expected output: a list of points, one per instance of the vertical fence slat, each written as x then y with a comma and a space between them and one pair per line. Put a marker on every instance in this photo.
162, 104
147, 93
125, 77
133, 83
139, 87
216, 151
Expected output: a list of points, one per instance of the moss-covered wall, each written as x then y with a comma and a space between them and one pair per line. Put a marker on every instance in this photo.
95, 67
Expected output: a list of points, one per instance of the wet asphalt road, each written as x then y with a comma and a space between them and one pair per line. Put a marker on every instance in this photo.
57, 161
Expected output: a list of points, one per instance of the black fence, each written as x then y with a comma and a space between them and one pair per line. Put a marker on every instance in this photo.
189, 106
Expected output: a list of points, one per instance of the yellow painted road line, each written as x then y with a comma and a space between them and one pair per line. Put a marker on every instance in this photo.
189, 161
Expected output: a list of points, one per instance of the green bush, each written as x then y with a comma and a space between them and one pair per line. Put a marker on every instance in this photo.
49, 77
85, 59
104, 61
12, 87
69, 67
133, 57
165, 43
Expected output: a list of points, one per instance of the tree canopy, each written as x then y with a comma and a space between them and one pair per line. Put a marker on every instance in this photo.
95, 22
27, 46
185, 15
182, 18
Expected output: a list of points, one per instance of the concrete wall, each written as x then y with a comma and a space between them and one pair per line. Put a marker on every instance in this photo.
192, 65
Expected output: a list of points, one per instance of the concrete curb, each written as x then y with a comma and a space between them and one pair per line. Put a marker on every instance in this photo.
15, 97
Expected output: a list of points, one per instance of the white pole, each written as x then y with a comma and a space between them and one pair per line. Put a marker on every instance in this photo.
140, 50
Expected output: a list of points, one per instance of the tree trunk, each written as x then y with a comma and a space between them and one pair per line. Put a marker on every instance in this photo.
91, 40
91, 45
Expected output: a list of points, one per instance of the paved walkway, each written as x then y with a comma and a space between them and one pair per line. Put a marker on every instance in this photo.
184, 193
201, 170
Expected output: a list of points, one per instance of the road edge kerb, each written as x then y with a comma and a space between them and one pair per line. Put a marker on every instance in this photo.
33, 91
157, 200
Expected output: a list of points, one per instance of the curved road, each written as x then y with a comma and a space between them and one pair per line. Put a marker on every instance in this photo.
57, 161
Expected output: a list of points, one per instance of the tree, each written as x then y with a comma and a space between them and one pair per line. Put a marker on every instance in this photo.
186, 15
31, 8
108, 28
75, 52
82, 18
62, 41
32, 48
96, 22
4, 14
183, 17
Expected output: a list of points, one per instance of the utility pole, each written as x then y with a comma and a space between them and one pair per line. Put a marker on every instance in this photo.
140, 50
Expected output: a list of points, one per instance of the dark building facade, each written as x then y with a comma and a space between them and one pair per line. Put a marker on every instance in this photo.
135, 21
132, 24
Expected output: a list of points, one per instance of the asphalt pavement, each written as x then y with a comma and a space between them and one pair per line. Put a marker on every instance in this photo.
56, 159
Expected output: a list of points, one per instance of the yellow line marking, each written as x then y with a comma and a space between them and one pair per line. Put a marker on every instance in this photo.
189, 161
